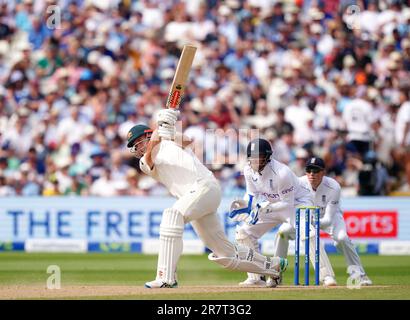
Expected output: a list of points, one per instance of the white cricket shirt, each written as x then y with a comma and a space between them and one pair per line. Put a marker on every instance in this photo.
277, 184
326, 196
178, 169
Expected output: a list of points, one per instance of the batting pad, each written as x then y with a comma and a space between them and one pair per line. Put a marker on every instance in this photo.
244, 239
170, 244
248, 260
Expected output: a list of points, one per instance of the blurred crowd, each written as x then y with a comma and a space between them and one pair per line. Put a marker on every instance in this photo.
325, 78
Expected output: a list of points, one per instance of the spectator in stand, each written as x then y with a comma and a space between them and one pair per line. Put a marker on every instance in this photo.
69, 95
373, 177
403, 134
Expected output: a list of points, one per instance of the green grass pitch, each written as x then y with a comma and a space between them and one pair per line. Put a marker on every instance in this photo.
197, 277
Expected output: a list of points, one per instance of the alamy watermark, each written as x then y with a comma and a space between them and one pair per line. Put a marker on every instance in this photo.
354, 280
352, 17
216, 147
54, 280
54, 17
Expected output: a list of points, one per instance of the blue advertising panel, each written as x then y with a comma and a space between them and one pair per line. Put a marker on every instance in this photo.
126, 222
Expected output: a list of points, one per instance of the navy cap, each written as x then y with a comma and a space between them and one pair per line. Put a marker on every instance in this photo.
135, 132
315, 162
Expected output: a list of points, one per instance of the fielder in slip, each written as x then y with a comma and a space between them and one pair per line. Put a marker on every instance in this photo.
272, 194
326, 195
167, 159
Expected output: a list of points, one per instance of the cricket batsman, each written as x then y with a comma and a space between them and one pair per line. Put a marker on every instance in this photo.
326, 195
272, 194
165, 157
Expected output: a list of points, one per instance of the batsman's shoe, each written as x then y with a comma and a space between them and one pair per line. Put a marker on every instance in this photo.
273, 282
329, 281
365, 281
249, 282
160, 284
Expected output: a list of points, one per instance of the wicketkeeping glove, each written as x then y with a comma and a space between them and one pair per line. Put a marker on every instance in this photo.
243, 214
261, 208
169, 116
240, 209
254, 215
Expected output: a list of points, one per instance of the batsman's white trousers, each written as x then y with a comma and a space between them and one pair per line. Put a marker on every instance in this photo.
199, 207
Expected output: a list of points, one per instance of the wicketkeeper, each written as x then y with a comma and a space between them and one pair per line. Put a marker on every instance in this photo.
272, 194
163, 155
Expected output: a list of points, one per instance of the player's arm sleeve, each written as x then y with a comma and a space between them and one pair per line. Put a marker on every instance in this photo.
286, 193
332, 208
149, 154
144, 166
250, 187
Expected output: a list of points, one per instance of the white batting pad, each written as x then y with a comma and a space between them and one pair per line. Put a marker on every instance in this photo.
170, 247
242, 238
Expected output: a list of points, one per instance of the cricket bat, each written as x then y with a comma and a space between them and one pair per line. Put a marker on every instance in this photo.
181, 77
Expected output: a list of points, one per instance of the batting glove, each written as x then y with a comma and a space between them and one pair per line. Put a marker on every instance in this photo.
169, 116
166, 131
